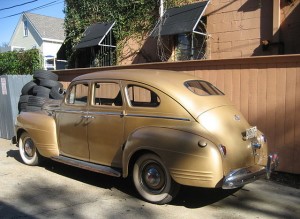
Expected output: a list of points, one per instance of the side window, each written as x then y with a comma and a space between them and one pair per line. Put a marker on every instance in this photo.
107, 94
78, 94
142, 97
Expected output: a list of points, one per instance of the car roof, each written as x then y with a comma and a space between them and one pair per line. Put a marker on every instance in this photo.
152, 77
169, 82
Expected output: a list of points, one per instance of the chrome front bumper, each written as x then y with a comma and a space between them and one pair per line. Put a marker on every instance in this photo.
240, 177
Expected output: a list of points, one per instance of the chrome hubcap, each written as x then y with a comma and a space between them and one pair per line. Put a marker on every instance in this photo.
153, 177
29, 148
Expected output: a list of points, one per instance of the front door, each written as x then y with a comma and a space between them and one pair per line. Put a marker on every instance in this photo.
73, 123
106, 123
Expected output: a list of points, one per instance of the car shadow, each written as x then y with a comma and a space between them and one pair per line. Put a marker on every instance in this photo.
195, 197
14, 154
189, 197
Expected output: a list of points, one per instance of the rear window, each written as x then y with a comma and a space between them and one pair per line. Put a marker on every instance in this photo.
202, 88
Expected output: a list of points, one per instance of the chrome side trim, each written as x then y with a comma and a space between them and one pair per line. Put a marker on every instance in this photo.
106, 113
157, 117
122, 114
71, 111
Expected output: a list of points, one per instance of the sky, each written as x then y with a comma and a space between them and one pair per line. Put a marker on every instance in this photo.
11, 11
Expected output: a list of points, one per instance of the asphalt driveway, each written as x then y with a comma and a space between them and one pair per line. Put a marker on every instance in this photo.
59, 191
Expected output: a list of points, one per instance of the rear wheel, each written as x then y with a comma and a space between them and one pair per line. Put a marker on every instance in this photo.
28, 151
153, 181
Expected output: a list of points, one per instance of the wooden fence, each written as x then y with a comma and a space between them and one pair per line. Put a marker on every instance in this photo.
265, 89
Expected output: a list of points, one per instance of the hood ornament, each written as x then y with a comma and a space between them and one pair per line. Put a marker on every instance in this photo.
237, 118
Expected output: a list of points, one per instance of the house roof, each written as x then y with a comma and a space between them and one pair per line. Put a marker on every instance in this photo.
47, 27
180, 19
95, 34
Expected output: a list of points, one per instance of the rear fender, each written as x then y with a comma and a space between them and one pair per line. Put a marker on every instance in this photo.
42, 129
187, 162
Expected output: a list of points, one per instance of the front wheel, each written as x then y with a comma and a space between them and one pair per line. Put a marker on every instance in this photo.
153, 181
28, 151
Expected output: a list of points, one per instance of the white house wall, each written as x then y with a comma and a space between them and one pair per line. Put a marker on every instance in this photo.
50, 48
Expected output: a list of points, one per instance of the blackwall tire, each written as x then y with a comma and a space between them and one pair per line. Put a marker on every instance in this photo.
41, 91
50, 83
22, 107
28, 151
28, 88
153, 181
38, 89
36, 101
32, 109
44, 74
57, 93
24, 98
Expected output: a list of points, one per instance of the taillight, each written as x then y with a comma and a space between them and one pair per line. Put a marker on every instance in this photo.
222, 149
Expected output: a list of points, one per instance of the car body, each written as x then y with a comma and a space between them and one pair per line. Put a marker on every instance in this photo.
164, 128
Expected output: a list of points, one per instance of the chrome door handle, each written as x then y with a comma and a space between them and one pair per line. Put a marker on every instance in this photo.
87, 117
123, 113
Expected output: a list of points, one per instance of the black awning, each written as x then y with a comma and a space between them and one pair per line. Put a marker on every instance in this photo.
94, 35
180, 19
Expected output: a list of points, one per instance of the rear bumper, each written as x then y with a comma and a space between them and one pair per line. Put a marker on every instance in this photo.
240, 177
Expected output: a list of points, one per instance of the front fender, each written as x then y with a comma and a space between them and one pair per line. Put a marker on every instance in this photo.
42, 129
187, 162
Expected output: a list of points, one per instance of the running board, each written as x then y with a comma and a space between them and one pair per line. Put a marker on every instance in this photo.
88, 166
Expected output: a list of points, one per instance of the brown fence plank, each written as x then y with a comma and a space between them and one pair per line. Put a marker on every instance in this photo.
245, 92
279, 119
252, 94
271, 106
290, 107
262, 97
236, 87
296, 160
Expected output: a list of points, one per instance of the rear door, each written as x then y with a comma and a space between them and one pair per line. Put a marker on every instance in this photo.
106, 123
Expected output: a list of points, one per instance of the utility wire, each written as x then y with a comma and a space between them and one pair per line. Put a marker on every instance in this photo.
34, 9
14, 6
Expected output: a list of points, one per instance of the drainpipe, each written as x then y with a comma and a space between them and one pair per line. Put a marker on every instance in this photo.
276, 20
161, 8
276, 27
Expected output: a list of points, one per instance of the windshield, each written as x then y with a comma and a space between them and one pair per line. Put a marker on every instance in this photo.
202, 88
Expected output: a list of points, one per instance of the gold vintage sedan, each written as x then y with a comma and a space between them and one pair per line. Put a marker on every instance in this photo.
163, 128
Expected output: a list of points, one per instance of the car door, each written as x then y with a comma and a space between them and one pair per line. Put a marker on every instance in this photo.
106, 123
73, 122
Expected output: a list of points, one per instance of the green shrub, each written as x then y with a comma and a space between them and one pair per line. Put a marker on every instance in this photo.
20, 63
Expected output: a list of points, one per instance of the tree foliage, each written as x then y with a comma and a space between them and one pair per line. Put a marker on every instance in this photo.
21, 63
134, 18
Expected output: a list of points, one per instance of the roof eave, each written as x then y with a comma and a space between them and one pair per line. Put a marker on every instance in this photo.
33, 26
53, 40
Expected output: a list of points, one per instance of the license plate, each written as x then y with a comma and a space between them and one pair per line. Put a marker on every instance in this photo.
251, 132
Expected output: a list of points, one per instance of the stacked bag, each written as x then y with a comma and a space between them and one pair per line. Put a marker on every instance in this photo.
43, 87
